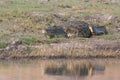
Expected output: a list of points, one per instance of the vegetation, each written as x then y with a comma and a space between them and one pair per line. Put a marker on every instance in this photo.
25, 19
28, 15
28, 40
3, 45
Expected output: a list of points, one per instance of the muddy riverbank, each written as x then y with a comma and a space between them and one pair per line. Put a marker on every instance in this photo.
69, 49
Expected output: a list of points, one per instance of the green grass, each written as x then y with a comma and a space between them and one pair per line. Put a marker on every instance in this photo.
28, 40
26, 15
24, 20
3, 45
110, 37
54, 40
18, 6
49, 41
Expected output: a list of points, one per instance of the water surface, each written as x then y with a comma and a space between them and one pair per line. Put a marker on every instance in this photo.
58, 70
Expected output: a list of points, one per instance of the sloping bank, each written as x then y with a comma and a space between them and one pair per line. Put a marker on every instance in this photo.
63, 50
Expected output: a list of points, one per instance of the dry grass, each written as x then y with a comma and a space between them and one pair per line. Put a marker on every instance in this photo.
70, 50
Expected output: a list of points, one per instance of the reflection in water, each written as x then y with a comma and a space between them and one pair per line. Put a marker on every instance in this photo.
58, 70
80, 70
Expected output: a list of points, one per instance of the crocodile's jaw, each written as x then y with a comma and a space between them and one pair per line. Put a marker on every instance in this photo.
91, 29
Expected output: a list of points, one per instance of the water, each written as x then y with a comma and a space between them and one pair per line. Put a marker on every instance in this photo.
59, 70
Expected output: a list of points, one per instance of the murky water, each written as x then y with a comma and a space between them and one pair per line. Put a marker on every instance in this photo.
58, 70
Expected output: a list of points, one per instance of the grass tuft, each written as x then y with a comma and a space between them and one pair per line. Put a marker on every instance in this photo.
3, 45
28, 40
